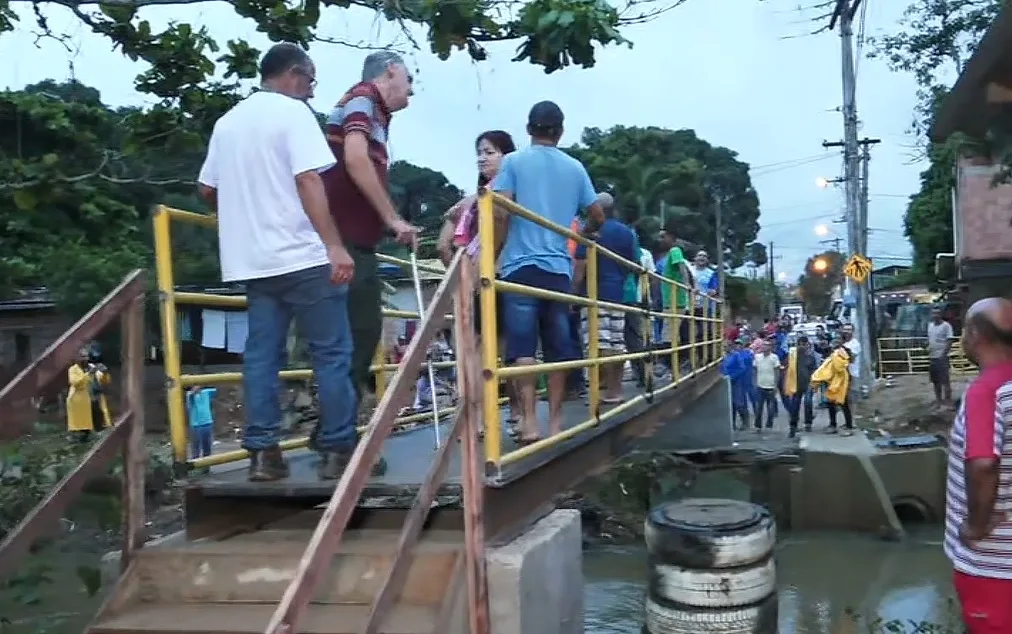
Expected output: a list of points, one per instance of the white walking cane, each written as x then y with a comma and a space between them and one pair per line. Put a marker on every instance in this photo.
432, 372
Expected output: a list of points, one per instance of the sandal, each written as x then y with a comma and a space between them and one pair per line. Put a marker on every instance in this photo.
526, 442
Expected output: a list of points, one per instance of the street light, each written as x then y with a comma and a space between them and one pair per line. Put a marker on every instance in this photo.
820, 265
822, 182
821, 230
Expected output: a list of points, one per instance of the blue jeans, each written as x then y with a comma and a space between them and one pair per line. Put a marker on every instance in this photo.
201, 438
320, 310
794, 407
530, 318
767, 400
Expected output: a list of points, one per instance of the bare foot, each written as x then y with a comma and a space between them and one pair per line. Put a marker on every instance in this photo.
554, 426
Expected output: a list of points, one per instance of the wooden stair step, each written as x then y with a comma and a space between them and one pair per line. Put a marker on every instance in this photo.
252, 618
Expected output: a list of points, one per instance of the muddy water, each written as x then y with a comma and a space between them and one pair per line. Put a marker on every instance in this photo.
820, 577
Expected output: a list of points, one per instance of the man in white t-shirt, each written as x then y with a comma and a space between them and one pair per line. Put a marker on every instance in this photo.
767, 377
939, 343
276, 235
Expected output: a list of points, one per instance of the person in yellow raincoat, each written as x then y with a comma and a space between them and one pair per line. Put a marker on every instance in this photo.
87, 410
835, 374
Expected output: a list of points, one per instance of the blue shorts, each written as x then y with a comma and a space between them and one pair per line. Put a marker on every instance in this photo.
526, 318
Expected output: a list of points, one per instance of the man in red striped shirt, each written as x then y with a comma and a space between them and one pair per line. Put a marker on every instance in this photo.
978, 508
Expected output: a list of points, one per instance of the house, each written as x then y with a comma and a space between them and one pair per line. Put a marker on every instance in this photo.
980, 101
29, 323
883, 276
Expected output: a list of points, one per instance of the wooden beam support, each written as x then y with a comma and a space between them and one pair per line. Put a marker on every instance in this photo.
134, 454
48, 512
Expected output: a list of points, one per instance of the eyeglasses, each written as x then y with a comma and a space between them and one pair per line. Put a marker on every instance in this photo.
298, 70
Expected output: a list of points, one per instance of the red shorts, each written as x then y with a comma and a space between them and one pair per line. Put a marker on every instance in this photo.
987, 603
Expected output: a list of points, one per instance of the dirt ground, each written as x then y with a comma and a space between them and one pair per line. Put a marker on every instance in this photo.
904, 405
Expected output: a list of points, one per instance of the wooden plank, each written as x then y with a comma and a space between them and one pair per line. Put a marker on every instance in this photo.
472, 471
393, 582
47, 513
327, 536
62, 352
134, 455
445, 620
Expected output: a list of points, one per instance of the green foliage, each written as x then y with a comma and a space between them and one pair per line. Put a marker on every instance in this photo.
201, 75
749, 298
934, 41
816, 286
928, 220
675, 176
422, 196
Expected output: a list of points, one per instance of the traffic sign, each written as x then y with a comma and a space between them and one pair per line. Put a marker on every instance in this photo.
858, 268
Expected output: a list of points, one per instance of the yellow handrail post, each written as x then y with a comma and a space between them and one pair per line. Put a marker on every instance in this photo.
693, 325
593, 327
646, 323
675, 334
170, 336
489, 343
380, 359
718, 331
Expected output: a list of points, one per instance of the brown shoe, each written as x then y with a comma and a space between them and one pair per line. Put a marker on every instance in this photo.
267, 465
333, 463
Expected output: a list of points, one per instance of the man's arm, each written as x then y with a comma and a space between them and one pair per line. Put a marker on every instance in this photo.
363, 174
579, 267
207, 180
505, 184
588, 202
982, 453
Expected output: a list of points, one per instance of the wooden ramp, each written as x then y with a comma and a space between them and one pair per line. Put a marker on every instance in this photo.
233, 586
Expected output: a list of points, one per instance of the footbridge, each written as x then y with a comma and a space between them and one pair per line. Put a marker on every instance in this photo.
416, 548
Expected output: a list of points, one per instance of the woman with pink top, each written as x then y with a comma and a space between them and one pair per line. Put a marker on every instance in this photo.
460, 228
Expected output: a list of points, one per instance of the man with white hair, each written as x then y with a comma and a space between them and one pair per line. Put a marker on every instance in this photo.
615, 236
357, 190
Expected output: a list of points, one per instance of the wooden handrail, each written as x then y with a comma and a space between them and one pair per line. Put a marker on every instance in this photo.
327, 537
125, 302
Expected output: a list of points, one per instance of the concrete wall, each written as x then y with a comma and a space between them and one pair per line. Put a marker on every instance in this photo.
535, 582
981, 208
832, 491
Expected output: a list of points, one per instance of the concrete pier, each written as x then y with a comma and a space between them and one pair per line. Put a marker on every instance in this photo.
535, 582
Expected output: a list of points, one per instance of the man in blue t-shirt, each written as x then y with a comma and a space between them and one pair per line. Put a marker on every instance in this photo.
554, 185
611, 279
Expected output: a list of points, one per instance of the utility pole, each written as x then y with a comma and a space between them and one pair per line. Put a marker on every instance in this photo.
865, 289
772, 281
844, 14
833, 241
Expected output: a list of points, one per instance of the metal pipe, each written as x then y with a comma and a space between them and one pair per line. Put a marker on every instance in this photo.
432, 373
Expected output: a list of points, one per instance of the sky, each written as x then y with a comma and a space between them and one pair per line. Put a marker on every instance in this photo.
743, 75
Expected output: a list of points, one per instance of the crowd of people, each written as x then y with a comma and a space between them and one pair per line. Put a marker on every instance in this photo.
775, 366
301, 213
300, 216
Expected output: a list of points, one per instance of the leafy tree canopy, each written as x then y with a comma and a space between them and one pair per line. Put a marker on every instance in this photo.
676, 177
935, 40
422, 195
196, 71
78, 180
817, 282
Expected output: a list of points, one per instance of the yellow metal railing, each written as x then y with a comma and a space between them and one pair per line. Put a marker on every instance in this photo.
177, 381
713, 340
909, 355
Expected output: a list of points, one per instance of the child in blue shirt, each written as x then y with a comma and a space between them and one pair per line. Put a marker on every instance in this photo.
198, 406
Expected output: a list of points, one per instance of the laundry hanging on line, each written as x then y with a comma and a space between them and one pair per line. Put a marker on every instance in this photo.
214, 329
236, 331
